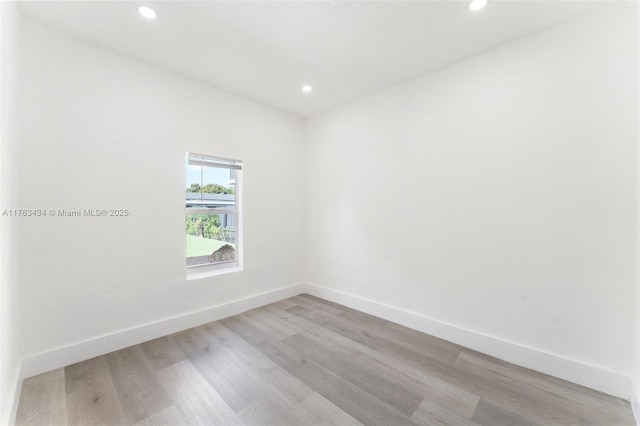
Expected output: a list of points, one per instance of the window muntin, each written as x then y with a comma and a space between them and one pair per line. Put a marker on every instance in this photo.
212, 216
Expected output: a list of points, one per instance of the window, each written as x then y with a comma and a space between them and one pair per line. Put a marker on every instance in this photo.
212, 211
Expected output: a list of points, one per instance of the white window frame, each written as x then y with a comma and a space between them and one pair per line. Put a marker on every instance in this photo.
224, 267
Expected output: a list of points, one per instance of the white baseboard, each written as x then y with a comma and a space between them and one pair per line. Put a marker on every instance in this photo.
83, 350
11, 404
575, 371
635, 401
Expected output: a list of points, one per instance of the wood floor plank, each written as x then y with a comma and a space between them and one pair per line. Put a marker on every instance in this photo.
283, 304
275, 385
239, 382
317, 304
317, 410
305, 361
488, 414
349, 325
354, 401
265, 412
295, 323
417, 356
91, 395
232, 384
437, 391
161, 353
278, 352
592, 405
432, 412
325, 305
136, 385
196, 400
167, 417
43, 400
284, 386
532, 402
226, 341
377, 379
278, 328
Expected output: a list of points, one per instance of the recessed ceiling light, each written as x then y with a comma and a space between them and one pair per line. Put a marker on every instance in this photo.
306, 88
147, 12
477, 4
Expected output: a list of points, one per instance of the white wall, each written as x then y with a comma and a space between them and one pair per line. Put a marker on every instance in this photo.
9, 316
98, 130
635, 400
497, 195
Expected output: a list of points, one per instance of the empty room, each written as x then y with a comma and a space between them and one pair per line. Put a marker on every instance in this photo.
319, 212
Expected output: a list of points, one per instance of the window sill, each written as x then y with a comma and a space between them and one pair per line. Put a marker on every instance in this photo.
205, 271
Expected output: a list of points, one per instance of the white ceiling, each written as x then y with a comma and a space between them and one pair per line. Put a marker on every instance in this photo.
265, 50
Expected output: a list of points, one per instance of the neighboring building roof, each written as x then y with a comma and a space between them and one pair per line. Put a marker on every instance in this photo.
207, 196
196, 199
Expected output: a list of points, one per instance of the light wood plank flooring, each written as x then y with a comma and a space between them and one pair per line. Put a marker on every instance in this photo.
305, 361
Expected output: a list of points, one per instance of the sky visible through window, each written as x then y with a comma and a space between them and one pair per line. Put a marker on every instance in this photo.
211, 175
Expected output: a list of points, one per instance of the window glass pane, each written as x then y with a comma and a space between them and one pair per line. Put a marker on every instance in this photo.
211, 211
211, 180
218, 181
211, 238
